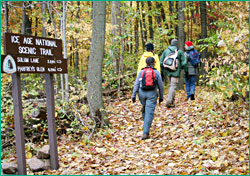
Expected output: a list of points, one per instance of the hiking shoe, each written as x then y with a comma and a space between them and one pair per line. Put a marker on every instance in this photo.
170, 105
192, 97
145, 136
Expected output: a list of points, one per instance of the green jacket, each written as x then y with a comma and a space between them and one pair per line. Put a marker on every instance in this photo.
182, 61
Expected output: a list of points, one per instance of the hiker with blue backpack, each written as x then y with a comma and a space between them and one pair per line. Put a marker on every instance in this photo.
191, 69
146, 84
172, 61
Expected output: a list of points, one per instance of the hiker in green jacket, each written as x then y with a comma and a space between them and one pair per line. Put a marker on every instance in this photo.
172, 76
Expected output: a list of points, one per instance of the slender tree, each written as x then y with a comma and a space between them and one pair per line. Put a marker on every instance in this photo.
193, 21
141, 27
116, 31
158, 16
176, 7
163, 16
203, 9
6, 16
136, 30
144, 22
150, 21
66, 76
131, 38
181, 36
95, 64
77, 31
26, 25
26, 29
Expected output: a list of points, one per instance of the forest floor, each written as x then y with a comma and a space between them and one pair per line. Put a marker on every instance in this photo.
206, 136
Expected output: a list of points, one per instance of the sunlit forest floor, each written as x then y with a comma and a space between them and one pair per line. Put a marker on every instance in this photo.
206, 136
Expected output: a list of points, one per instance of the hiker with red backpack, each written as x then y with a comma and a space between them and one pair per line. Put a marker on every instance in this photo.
172, 61
146, 84
191, 69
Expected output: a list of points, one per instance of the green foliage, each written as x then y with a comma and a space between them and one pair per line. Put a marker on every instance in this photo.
228, 68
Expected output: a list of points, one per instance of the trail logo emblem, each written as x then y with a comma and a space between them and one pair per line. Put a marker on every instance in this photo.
9, 64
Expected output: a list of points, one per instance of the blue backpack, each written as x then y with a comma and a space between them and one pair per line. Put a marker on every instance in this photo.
194, 57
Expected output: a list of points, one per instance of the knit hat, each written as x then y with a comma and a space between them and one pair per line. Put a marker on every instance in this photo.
150, 47
150, 60
189, 43
174, 42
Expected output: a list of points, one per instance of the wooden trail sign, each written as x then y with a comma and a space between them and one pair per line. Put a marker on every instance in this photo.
28, 64
30, 54
25, 45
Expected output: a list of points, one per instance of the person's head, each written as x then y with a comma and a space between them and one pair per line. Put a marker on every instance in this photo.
174, 42
150, 47
150, 61
188, 44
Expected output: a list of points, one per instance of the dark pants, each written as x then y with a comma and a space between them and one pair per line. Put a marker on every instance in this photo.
190, 84
148, 100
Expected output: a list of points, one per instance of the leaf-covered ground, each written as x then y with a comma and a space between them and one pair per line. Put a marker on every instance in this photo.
206, 136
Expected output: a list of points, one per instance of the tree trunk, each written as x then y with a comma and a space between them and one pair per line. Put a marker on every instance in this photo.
136, 29
181, 36
121, 53
26, 29
181, 19
78, 20
163, 16
177, 11
61, 31
55, 34
66, 76
116, 31
158, 17
150, 21
171, 25
131, 38
188, 21
144, 23
192, 11
170, 7
95, 64
141, 27
203, 9
6, 16
192, 21
26, 25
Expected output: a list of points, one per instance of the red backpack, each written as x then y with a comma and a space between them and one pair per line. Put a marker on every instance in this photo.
148, 79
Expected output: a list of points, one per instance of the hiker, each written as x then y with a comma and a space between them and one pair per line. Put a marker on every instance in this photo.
191, 69
149, 53
172, 60
146, 83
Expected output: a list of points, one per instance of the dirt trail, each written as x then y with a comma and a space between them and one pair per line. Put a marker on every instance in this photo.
192, 138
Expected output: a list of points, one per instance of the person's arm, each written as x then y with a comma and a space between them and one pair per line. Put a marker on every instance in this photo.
136, 85
162, 59
160, 83
183, 58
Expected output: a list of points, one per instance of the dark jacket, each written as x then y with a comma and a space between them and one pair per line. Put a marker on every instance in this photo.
182, 61
189, 68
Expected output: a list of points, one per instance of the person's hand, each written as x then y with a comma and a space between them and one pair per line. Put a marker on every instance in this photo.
160, 100
133, 99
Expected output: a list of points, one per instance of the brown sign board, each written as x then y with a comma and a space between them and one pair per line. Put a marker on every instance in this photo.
28, 64
26, 45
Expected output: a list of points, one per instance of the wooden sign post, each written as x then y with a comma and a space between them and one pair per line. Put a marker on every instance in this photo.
29, 54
